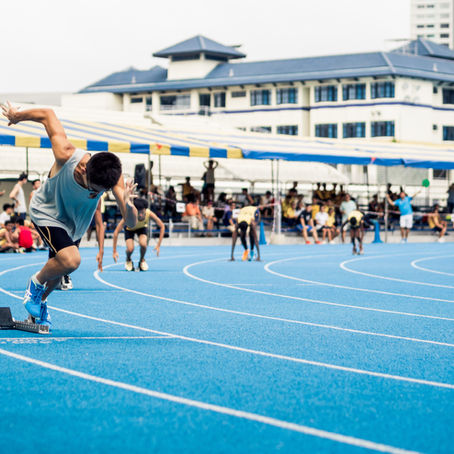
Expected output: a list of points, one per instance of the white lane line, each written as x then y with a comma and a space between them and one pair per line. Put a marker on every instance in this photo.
268, 317
47, 340
298, 298
345, 439
267, 268
256, 352
413, 264
377, 276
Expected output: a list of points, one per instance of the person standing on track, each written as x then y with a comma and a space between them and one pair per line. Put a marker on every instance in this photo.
406, 212
64, 205
247, 220
141, 230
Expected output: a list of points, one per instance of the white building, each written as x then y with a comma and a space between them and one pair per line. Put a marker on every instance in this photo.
403, 95
433, 20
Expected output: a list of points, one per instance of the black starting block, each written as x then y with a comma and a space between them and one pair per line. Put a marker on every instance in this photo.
8, 322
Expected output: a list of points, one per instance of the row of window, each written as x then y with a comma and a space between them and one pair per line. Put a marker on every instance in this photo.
289, 130
324, 93
358, 129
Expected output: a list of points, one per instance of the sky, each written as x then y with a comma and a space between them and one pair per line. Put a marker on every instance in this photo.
63, 46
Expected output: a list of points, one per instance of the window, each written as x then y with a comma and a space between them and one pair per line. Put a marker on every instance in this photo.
175, 102
420, 26
137, 100
444, 35
219, 99
448, 132
291, 130
353, 91
430, 25
382, 90
448, 96
326, 93
382, 129
238, 94
185, 57
326, 130
204, 100
354, 130
149, 103
262, 129
440, 174
260, 98
444, 25
286, 96
435, 90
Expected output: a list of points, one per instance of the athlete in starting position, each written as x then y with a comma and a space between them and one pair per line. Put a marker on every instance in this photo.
141, 229
356, 221
62, 208
247, 219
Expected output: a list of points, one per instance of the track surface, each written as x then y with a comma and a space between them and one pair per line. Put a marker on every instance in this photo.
310, 350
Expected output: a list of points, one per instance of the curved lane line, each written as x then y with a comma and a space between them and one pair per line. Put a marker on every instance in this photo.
413, 264
298, 298
346, 287
377, 276
267, 317
345, 439
254, 352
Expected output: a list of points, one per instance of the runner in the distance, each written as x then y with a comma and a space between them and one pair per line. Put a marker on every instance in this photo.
356, 222
141, 230
64, 205
247, 219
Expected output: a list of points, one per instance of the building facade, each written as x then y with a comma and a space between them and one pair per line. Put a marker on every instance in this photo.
433, 20
404, 95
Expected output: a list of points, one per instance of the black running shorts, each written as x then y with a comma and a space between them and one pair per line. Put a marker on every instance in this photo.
129, 234
55, 238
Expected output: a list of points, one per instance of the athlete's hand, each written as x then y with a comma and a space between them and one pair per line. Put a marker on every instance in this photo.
115, 256
128, 195
99, 257
157, 248
10, 113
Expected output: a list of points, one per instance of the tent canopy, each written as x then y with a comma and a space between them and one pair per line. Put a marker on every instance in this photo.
115, 137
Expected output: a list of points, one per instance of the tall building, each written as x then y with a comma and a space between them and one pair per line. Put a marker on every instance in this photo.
433, 20
403, 95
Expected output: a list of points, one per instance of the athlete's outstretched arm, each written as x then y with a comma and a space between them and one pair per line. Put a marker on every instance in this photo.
161, 226
100, 230
61, 146
115, 239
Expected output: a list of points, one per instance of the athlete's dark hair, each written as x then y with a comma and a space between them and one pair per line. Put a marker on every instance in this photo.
18, 220
22, 176
140, 204
353, 222
6, 206
104, 169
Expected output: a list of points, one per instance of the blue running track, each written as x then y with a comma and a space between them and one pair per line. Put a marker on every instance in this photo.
311, 350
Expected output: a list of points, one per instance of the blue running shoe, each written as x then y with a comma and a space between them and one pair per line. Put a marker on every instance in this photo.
33, 295
44, 317
251, 255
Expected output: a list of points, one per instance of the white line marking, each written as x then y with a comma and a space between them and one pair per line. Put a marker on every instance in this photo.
215, 408
254, 352
47, 340
403, 295
298, 298
267, 317
413, 264
377, 276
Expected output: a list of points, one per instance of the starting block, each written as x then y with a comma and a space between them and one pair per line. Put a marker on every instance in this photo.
8, 322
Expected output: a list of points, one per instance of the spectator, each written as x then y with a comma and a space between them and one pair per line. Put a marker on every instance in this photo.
208, 215
209, 180
376, 209
8, 239
245, 198
289, 216
307, 225
170, 205
36, 185
346, 207
8, 211
228, 218
321, 219
192, 213
24, 234
436, 224
330, 228
17, 194
266, 202
451, 199
187, 189
406, 213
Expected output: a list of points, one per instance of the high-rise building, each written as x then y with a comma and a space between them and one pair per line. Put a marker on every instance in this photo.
433, 20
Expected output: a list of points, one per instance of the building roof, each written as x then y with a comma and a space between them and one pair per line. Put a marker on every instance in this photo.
197, 45
396, 63
424, 47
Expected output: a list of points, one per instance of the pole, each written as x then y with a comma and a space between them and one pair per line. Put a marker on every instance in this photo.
26, 160
159, 161
386, 205
278, 201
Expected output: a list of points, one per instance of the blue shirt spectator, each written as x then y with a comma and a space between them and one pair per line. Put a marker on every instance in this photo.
404, 205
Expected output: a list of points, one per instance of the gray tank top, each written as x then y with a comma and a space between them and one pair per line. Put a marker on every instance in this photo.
62, 202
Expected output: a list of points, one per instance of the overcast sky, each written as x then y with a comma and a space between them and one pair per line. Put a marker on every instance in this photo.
61, 45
